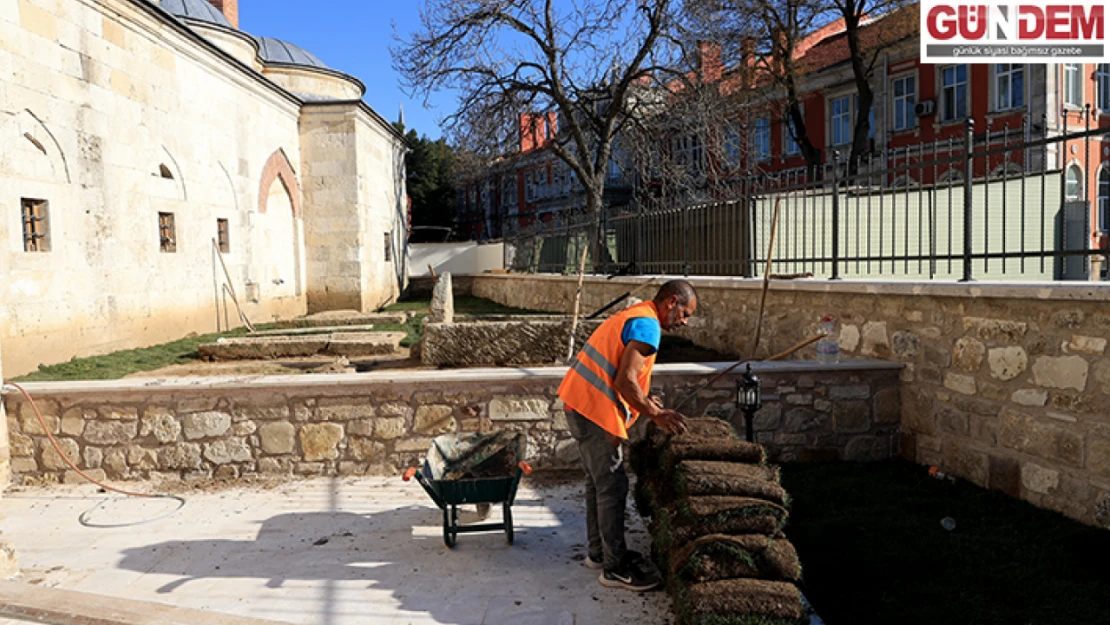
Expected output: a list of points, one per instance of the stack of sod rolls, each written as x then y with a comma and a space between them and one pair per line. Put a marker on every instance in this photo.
717, 511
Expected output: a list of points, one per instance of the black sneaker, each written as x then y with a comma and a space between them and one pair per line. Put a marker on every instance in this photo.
631, 575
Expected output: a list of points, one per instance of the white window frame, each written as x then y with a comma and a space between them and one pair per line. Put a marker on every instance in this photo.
845, 115
1102, 83
904, 102
1104, 198
945, 115
761, 139
1073, 84
1078, 195
1012, 69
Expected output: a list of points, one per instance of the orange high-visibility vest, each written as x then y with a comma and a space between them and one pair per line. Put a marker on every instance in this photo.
589, 387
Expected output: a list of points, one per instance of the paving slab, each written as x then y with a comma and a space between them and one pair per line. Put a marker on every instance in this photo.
328, 551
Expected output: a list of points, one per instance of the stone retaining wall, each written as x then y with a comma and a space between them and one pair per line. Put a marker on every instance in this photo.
379, 423
1006, 385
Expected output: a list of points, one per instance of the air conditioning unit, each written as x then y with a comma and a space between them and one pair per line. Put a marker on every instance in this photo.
925, 107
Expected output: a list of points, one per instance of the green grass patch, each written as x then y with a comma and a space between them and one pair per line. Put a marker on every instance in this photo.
874, 551
413, 329
126, 362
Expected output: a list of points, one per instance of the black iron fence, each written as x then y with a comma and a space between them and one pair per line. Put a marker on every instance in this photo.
1008, 203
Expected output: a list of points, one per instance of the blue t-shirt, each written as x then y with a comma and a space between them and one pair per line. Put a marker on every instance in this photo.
643, 329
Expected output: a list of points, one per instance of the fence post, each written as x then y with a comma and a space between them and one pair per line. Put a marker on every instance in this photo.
747, 226
835, 216
969, 172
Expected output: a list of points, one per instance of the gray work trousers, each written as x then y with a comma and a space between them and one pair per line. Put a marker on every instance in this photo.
606, 489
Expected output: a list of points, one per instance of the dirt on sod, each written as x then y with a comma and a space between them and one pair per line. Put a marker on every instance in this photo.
741, 602
874, 551
719, 556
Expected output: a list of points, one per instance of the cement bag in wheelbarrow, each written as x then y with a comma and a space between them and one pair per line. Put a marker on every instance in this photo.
474, 455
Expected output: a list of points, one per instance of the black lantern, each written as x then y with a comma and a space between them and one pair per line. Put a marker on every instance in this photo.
750, 400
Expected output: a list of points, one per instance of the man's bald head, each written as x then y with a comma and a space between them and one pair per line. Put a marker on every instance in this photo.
683, 289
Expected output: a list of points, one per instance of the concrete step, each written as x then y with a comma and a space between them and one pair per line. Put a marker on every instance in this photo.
350, 344
34, 604
316, 330
342, 318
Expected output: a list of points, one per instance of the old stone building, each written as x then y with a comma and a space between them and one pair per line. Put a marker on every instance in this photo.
140, 137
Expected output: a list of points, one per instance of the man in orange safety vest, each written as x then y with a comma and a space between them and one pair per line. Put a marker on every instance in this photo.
605, 390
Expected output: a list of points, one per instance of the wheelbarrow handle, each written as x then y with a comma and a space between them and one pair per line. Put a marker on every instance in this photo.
408, 474
525, 467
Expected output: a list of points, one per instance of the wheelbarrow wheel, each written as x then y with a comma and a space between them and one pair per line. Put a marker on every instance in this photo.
449, 522
508, 523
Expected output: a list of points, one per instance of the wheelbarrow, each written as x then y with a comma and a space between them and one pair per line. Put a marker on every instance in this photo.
476, 468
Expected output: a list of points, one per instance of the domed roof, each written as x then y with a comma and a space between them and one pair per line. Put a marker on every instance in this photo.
199, 10
277, 51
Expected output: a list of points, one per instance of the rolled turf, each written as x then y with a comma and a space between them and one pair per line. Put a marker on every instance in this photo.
740, 602
693, 478
718, 556
689, 519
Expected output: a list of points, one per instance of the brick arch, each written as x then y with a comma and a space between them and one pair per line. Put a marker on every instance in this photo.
278, 167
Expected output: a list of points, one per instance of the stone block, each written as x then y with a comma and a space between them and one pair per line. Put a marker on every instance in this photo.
968, 354
970, 464
887, 406
142, 459
1087, 345
851, 417
180, 456
413, 445
93, 456
906, 345
1007, 363
953, 421
519, 408
918, 414
960, 383
768, 418
393, 409
1098, 456
998, 330
275, 466
1081, 403
803, 420
32, 425
226, 473
868, 449
993, 392
161, 424
930, 375
119, 413
1068, 318
362, 427
938, 356
822, 405
52, 460
1030, 397
984, 430
854, 391
24, 466
876, 343
272, 411
1023, 433
1102, 510
389, 428
277, 438
1039, 479
1005, 475
365, 449
73, 477
1101, 373
206, 425
244, 428
434, 420
73, 422
227, 451
559, 420
975, 405
309, 468
1062, 372
352, 468
443, 300
110, 432
344, 409
849, 338
320, 441
21, 446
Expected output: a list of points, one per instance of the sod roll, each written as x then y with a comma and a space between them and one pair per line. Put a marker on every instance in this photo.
694, 478
741, 602
718, 556
721, 450
690, 519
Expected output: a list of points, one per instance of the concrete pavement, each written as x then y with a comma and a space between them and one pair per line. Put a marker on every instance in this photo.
329, 551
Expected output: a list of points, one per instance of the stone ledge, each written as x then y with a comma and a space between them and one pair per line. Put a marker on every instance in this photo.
342, 380
1020, 290
59, 607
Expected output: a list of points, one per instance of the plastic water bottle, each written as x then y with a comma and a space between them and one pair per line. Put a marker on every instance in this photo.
828, 348
948, 523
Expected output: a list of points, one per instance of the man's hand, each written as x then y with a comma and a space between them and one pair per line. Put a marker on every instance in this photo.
671, 421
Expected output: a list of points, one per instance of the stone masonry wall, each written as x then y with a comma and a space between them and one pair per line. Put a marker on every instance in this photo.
1005, 385
381, 423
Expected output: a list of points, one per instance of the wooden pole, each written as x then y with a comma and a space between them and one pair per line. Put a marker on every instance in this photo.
766, 278
577, 303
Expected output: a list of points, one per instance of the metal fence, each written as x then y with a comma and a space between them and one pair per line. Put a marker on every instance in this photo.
992, 206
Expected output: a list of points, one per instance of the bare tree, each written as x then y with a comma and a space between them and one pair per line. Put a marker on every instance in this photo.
582, 59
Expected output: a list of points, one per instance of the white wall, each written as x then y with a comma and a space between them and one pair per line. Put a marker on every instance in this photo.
465, 258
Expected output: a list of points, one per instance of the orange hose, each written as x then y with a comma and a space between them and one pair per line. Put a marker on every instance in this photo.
58, 449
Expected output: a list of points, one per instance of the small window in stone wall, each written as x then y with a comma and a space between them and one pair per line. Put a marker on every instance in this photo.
167, 234
36, 225
388, 247
223, 236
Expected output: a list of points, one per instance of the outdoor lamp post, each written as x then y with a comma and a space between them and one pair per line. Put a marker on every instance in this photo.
749, 398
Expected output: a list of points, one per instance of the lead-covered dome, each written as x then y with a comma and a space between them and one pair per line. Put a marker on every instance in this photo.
198, 10
277, 51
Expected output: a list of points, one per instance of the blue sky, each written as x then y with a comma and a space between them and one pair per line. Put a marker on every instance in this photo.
352, 36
